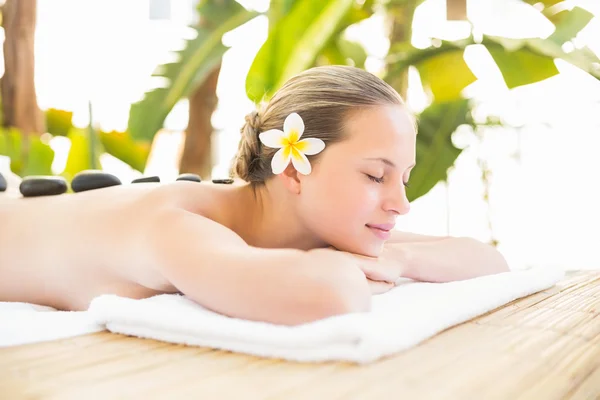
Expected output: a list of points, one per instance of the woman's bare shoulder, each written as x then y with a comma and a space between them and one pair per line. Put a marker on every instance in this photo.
203, 198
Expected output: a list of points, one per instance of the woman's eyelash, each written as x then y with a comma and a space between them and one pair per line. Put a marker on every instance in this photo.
375, 179
380, 180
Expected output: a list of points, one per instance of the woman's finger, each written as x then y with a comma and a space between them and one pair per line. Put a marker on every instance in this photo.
378, 287
378, 272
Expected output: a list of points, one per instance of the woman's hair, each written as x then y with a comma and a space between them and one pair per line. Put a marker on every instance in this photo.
324, 97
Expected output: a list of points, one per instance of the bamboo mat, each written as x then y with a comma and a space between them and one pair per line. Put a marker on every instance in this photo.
545, 346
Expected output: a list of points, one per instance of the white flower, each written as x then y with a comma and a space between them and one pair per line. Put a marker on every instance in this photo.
290, 146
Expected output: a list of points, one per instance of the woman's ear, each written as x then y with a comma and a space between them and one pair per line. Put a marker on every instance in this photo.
291, 179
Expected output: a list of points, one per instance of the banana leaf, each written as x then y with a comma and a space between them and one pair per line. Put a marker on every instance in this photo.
342, 51
80, 154
521, 62
294, 44
435, 151
29, 155
279, 9
443, 69
58, 122
537, 54
198, 58
569, 23
122, 146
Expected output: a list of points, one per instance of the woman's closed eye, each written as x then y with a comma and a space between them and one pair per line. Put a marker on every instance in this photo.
380, 180
375, 179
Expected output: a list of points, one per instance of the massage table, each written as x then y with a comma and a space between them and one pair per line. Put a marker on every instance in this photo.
544, 346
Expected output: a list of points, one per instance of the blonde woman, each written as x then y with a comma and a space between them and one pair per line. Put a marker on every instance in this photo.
306, 234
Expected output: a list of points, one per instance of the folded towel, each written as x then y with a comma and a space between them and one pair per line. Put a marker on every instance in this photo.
399, 319
22, 323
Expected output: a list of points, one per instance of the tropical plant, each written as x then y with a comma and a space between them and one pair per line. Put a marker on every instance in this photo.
196, 69
32, 154
305, 33
194, 74
294, 43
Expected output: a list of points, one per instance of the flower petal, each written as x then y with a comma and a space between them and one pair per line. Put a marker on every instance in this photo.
300, 162
280, 160
272, 138
293, 126
310, 146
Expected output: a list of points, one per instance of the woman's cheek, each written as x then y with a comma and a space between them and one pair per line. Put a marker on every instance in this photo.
362, 203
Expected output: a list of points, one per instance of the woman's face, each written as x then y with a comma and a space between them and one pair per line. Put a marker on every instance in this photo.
356, 190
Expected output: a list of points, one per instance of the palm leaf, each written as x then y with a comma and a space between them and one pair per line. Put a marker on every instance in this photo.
435, 151
443, 69
293, 44
198, 58
569, 23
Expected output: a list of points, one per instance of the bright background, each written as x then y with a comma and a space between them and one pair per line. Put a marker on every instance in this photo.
544, 190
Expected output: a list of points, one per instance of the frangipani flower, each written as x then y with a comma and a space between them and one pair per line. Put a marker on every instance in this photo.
290, 146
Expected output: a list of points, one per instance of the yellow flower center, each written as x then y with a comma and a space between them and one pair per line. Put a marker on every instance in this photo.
291, 145
290, 140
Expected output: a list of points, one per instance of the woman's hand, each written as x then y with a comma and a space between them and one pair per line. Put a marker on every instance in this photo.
378, 287
380, 272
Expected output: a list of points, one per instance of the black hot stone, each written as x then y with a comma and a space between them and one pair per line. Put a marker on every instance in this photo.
3, 184
33, 186
189, 177
146, 179
92, 179
227, 181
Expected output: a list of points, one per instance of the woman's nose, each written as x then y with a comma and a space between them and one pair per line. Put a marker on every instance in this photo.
397, 201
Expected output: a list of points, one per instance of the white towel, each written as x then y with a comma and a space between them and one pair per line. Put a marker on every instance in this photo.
23, 323
399, 319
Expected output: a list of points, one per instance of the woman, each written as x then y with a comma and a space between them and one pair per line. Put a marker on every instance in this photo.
308, 234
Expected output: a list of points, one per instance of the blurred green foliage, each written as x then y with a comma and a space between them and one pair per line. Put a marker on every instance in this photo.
302, 34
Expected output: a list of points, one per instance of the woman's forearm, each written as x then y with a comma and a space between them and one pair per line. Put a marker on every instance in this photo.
281, 286
446, 260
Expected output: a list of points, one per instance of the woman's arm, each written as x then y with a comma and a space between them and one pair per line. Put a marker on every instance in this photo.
214, 267
445, 259
432, 259
403, 237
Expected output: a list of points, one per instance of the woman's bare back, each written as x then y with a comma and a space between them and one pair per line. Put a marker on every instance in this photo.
65, 250
140, 240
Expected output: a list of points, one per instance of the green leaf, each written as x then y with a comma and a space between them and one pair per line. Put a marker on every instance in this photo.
523, 67
198, 58
583, 58
344, 52
11, 145
279, 9
446, 74
545, 3
331, 55
357, 13
123, 147
521, 61
341, 51
442, 68
79, 158
39, 157
29, 155
293, 45
403, 55
435, 151
58, 122
569, 23
352, 51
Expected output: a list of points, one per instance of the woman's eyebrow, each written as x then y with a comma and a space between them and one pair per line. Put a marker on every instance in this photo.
388, 162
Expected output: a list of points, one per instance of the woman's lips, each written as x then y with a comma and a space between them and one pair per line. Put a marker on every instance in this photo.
380, 230
383, 227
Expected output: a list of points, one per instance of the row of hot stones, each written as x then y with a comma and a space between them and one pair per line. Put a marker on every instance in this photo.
33, 186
